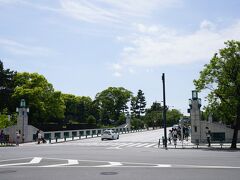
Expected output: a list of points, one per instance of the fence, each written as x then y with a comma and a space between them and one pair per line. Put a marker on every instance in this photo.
60, 136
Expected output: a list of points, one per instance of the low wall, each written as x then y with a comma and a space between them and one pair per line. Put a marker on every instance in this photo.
219, 132
28, 137
80, 133
53, 135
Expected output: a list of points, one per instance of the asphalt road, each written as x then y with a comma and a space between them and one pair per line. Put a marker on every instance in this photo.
92, 159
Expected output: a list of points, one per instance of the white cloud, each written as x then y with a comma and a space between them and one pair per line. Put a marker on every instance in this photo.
112, 11
117, 74
207, 25
9, 1
131, 71
168, 47
117, 67
18, 48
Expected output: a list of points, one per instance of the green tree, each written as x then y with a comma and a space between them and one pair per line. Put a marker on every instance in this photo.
153, 116
91, 120
6, 88
222, 77
79, 108
71, 103
173, 116
134, 107
138, 104
136, 123
46, 105
112, 102
7, 120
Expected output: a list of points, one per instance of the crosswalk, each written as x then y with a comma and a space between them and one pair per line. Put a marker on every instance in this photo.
112, 144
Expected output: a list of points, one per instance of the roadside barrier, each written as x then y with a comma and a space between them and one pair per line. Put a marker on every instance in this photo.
70, 135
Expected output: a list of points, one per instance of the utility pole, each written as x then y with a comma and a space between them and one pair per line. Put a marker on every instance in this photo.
164, 112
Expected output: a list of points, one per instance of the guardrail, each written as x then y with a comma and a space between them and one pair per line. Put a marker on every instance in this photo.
70, 135
198, 145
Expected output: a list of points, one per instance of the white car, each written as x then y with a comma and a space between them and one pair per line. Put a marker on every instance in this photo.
109, 134
175, 126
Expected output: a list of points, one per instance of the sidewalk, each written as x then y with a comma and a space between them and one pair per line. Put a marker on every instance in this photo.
189, 145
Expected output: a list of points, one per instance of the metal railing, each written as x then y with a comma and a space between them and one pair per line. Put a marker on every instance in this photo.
71, 135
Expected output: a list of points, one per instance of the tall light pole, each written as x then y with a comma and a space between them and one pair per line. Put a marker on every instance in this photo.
164, 112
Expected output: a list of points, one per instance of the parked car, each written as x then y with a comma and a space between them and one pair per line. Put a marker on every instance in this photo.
109, 134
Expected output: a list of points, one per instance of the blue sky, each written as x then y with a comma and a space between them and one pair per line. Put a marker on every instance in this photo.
85, 46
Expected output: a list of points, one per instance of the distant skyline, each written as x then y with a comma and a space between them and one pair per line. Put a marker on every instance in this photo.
85, 46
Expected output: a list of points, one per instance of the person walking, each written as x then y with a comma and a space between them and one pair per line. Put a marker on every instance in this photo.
39, 137
2, 137
170, 136
174, 134
208, 135
18, 134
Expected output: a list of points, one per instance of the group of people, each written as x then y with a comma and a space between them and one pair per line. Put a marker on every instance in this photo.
176, 133
39, 137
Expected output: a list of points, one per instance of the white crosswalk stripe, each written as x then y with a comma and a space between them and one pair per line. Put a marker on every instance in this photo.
150, 145
112, 144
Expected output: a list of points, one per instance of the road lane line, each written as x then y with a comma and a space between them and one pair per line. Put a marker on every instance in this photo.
70, 162
164, 165
111, 164
35, 160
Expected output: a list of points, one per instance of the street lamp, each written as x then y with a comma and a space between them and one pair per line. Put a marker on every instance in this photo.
194, 95
164, 111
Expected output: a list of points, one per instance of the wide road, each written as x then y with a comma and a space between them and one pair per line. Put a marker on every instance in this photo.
130, 157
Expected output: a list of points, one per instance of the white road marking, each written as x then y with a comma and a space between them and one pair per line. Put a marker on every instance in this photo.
111, 164
135, 144
106, 164
114, 148
206, 167
70, 162
150, 145
142, 145
35, 160
164, 165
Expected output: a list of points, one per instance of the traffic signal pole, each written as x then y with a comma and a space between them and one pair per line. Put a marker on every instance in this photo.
164, 112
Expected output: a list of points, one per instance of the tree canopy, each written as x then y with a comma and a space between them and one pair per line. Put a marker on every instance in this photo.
6, 88
112, 102
222, 77
138, 104
45, 104
50, 107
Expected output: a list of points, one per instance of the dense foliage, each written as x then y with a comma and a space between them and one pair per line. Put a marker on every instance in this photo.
222, 77
52, 108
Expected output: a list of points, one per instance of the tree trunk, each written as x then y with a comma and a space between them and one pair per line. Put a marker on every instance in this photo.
234, 140
236, 128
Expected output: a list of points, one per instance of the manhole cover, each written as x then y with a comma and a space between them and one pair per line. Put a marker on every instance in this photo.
109, 173
7, 171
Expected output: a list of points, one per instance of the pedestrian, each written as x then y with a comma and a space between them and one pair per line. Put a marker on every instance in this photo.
208, 135
18, 134
2, 137
36, 136
39, 137
170, 136
174, 133
186, 133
